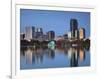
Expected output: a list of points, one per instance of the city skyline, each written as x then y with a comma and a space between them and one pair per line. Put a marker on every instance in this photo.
51, 20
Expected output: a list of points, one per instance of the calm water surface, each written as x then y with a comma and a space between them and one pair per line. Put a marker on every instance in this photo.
31, 58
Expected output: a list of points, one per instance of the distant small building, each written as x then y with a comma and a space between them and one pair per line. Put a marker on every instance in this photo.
81, 33
51, 35
65, 36
45, 37
58, 38
22, 36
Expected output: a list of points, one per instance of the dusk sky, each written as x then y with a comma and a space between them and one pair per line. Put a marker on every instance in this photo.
58, 21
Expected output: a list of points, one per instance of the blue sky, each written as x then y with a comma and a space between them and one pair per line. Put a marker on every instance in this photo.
58, 21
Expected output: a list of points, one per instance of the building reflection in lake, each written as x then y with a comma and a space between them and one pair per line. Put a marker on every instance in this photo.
28, 56
37, 56
82, 54
73, 56
32, 56
46, 55
50, 53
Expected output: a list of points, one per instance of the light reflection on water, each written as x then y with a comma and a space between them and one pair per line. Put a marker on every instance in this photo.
31, 58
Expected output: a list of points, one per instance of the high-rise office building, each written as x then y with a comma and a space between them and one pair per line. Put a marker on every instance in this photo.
81, 33
51, 35
76, 34
38, 32
73, 27
69, 35
29, 33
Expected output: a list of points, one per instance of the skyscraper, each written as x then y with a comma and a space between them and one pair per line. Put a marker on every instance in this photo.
38, 32
81, 33
76, 34
73, 27
69, 35
29, 33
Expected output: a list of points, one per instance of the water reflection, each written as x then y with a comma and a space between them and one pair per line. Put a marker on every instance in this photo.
32, 58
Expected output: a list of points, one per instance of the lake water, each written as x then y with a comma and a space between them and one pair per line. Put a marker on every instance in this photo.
31, 58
